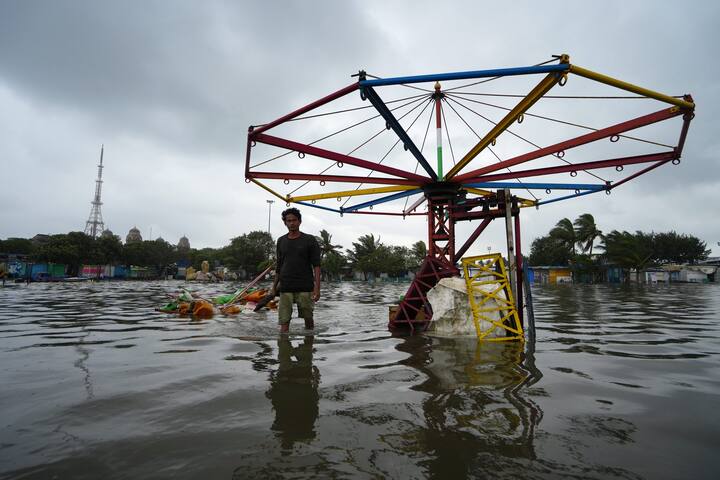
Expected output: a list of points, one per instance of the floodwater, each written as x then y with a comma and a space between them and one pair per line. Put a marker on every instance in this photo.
622, 382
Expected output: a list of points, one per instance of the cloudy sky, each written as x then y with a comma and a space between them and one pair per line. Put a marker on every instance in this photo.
170, 88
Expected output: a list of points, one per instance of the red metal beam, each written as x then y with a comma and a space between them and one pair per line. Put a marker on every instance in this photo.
338, 157
616, 129
468, 243
306, 108
687, 118
637, 174
330, 178
614, 162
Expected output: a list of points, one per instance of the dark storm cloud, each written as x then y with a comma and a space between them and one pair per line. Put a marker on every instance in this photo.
171, 86
191, 76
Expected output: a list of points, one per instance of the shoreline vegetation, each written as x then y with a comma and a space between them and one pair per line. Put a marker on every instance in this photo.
588, 253
244, 257
578, 245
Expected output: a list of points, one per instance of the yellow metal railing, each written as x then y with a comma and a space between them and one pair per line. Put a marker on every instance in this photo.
496, 304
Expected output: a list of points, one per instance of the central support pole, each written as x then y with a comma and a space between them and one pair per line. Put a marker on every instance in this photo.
437, 96
512, 262
415, 312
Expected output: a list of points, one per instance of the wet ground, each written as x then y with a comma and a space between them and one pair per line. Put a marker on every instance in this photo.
622, 382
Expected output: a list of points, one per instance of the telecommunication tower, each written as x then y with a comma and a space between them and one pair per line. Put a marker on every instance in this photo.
95, 225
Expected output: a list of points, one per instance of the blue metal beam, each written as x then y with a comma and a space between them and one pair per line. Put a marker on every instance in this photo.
439, 77
308, 204
545, 202
392, 122
538, 186
388, 198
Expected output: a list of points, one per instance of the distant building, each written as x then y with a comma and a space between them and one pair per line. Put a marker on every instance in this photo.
133, 236
183, 243
107, 233
40, 238
550, 274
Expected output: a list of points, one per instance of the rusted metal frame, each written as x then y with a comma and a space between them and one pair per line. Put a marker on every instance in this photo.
687, 118
474, 236
436, 220
615, 162
498, 213
311, 106
393, 123
337, 157
610, 131
433, 269
331, 178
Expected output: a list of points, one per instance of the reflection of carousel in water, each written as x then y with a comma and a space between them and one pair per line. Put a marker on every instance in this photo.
294, 391
478, 407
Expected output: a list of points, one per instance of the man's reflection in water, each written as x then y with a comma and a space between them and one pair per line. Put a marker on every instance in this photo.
294, 391
478, 410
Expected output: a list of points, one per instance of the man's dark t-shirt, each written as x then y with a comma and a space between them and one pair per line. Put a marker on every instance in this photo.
295, 261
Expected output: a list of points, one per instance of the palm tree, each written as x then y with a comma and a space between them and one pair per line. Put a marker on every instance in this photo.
586, 232
364, 253
564, 232
326, 245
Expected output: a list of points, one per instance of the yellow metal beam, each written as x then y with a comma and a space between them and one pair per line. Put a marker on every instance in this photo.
352, 193
478, 191
540, 89
599, 77
267, 189
524, 202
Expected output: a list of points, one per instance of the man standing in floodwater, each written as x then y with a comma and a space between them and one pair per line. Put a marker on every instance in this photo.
297, 277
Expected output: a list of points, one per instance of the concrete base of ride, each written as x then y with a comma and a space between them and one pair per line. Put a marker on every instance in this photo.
452, 315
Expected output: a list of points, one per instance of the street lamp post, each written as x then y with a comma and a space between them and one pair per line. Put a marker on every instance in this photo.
269, 202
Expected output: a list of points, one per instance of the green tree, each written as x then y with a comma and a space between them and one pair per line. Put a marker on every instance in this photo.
212, 255
564, 233
71, 249
586, 232
627, 250
364, 255
326, 245
396, 262
547, 251
108, 250
331, 260
251, 252
22, 246
417, 255
672, 247
332, 265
